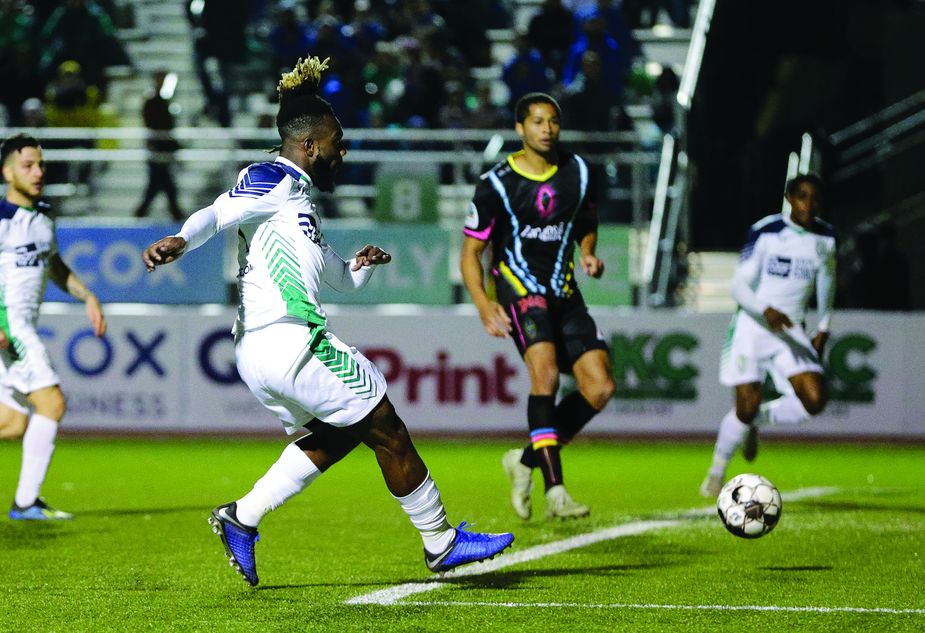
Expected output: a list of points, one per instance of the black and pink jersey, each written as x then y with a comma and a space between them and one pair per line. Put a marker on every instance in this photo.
533, 223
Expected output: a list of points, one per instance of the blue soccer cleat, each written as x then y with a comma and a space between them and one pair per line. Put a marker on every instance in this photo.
238, 539
468, 547
39, 511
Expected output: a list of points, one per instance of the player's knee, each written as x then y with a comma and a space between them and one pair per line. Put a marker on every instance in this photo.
814, 402
601, 393
12, 426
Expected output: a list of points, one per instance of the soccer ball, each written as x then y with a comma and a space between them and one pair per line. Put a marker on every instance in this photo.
749, 505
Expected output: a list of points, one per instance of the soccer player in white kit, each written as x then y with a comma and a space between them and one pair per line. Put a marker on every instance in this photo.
297, 368
784, 258
31, 401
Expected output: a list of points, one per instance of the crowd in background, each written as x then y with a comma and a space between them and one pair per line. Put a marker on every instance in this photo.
399, 63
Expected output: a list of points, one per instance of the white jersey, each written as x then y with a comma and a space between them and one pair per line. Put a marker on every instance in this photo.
780, 265
27, 244
282, 254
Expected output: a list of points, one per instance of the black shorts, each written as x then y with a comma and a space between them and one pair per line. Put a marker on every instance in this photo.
563, 321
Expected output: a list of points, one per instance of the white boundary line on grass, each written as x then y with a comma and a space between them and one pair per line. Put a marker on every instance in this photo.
393, 594
666, 607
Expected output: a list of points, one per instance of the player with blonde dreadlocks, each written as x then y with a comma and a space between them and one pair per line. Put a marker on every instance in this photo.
291, 362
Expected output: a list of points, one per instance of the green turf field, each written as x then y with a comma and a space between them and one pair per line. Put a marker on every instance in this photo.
847, 556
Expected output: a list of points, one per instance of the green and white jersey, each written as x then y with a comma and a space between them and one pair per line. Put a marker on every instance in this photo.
282, 255
27, 243
780, 265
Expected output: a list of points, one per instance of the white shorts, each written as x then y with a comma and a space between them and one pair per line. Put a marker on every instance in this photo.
336, 384
751, 351
31, 369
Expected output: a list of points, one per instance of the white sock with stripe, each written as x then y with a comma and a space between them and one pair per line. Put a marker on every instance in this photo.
38, 445
292, 473
425, 509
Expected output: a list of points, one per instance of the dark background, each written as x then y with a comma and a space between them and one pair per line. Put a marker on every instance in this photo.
774, 70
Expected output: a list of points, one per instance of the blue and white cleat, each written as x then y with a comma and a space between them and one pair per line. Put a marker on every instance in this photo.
468, 547
39, 511
238, 539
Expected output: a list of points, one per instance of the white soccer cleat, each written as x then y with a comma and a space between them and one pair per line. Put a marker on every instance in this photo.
711, 486
521, 480
560, 505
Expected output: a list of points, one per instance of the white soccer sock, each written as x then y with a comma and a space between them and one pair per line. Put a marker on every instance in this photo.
787, 410
731, 433
38, 445
291, 474
425, 509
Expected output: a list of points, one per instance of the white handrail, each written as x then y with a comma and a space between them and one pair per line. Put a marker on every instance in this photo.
694, 58
658, 209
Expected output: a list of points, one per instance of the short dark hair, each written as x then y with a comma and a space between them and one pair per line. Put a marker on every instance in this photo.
300, 107
794, 183
522, 109
16, 144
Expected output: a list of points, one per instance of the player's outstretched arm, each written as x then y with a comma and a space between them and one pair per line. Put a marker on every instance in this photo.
163, 251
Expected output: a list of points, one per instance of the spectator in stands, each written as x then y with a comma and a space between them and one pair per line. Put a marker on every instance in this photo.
17, 58
486, 115
614, 60
159, 120
289, 39
367, 27
589, 102
82, 31
71, 101
615, 24
218, 33
547, 32
526, 71
664, 100
453, 113
422, 91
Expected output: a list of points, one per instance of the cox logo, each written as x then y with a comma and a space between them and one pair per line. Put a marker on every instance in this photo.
117, 263
90, 356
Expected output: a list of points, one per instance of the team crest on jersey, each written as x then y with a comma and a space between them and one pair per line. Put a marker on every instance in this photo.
530, 328
27, 256
821, 248
545, 200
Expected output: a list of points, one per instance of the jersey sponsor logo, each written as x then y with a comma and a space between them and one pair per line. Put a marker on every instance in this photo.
472, 217
545, 200
531, 301
28, 256
779, 266
551, 233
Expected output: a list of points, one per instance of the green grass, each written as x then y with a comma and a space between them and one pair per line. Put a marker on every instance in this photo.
140, 556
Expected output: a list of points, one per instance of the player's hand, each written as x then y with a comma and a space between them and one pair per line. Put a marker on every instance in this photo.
163, 252
777, 320
495, 319
592, 265
95, 314
4, 341
370, 255
819, 341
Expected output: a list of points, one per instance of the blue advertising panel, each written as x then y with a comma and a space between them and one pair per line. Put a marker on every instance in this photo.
108, 260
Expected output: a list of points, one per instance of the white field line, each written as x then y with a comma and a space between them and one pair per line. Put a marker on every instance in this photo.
399, 592
667, 607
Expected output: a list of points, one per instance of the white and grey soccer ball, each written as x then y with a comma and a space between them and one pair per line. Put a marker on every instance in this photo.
749, 505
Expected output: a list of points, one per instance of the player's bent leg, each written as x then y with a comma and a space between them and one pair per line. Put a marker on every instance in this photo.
812, 390
733, 432
12, 423
444, 547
